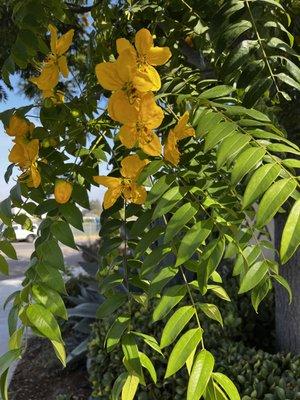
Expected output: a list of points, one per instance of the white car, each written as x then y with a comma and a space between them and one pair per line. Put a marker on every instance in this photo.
24, 234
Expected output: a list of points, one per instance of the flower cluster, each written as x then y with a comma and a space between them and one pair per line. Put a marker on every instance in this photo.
132, 79
25, 150
55, 63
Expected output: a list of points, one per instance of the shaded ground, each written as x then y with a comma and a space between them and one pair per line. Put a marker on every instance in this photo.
39, 376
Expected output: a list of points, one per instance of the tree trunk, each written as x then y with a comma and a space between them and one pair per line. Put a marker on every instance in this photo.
287, 315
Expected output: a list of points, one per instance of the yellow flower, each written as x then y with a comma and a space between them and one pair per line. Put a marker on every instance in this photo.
56, 61
62, 191
146, 55
181, 131
18, 126
140, 130
119, 76
125, 186
25, 155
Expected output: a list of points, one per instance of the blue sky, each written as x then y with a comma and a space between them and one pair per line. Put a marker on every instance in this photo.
16, 100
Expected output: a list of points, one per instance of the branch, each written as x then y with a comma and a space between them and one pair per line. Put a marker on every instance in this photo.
82, 9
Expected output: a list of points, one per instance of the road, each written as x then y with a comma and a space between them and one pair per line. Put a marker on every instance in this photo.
24, 250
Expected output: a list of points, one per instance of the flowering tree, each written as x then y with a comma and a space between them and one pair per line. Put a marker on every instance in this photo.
198, 169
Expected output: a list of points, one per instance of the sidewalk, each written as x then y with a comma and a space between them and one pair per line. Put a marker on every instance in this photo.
7, 287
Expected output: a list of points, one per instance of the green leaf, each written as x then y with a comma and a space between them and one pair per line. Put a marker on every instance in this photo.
273, 199
182, 349
5, 211
218, 133
259, 182
4, 267
245, 163
44, 321
211, 311
200, 375
152, 260
230, 147
171, 296
147, 363
118, 385
116, 331
175, 325
148, 238
62, 232
111, 304
149, 340
159, 188
51, 277
59, 351
50, 253
8, 358
217, 91
290, 239
131, 355
72, 214
130, 387
160, 280
181, 217
7, 248
254, 275
192, 240
284, 283
219, 291
50, 299
227, 385
168, 201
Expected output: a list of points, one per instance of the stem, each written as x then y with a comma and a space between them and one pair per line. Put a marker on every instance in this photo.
261, 45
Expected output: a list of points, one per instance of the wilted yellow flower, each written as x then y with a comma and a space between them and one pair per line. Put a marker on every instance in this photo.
181, 131
56, 61
18, 126
62, 191
139, 131
125, 186
146, 55
25, 156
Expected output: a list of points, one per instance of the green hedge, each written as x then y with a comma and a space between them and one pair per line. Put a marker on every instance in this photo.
258, 374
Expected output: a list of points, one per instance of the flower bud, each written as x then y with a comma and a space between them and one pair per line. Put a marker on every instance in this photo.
62, 191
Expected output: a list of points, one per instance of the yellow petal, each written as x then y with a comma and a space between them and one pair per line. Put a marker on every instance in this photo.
53, 37
111, 196
64, 42
32, 150
120, 109
62, 191
63, 66
16, 155
127, 65
158, 55
147, 79
150, 113
171, 152
35, 177
132, 166
143, 41
48, 78
181, 130
108, 181
108, 77
135, 194
17, 126
128, 136
151, 147
123, 44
